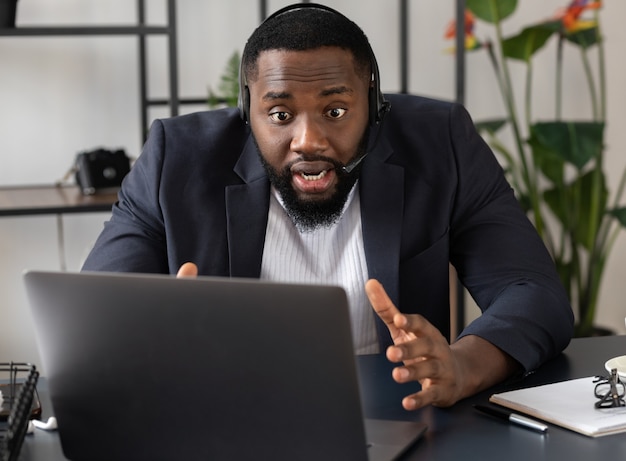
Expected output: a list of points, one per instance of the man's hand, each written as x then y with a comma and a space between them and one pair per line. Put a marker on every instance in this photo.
447, 373
187, 270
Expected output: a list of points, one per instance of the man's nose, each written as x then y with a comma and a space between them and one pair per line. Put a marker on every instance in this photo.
309, 136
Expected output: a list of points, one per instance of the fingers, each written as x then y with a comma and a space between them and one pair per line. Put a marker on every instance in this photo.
438, 393
380, 301
417, 369
427, 396
187, 270
438, 388
419, 338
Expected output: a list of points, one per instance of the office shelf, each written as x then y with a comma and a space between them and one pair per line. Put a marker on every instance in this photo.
141, 30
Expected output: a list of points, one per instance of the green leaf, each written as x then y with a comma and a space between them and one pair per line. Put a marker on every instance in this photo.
584, 38
620, 214
575, 207
528, 41
574, 142
555, 25
491, 10
549, 162
491, 126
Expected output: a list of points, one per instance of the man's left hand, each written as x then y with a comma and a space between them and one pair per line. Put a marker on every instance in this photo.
446, 372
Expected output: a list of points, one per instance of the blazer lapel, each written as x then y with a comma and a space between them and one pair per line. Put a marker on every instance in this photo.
247, 208
382, 202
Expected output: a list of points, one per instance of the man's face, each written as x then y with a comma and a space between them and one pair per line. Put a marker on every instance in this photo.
309, 117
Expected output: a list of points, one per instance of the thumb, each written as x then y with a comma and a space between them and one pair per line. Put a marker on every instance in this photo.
187, 270
382, 304
387, 311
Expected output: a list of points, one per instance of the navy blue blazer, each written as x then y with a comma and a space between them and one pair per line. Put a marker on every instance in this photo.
432, 193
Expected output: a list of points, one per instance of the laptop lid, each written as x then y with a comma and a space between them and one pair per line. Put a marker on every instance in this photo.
153, 367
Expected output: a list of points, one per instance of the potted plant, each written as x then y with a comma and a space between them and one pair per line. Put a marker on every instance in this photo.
228, 88
556, 166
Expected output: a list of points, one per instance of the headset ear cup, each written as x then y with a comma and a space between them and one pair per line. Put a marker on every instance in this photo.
244, 103
378, 105
373, 105
377, 102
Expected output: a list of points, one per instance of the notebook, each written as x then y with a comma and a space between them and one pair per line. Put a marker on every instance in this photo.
569, 404
150, 367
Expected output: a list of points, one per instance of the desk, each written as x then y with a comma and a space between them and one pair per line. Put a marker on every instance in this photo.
459, 432
50, 199
36, 200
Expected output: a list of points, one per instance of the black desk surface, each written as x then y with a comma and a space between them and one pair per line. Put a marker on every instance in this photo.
458, 432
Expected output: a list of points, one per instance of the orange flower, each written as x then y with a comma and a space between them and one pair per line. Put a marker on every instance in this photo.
571, 16
471, 42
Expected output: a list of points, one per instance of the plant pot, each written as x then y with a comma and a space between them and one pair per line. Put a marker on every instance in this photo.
8, 9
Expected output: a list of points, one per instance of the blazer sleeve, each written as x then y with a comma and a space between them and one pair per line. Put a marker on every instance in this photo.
501, 259
133, 240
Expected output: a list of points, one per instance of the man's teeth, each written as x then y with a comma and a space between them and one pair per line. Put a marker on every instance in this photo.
313, 177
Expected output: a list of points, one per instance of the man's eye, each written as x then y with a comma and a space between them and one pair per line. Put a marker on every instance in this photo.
280, 116
336, 113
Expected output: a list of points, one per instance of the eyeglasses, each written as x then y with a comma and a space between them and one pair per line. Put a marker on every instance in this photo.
610, 391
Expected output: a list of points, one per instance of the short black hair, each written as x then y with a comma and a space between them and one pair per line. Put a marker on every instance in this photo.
307, 28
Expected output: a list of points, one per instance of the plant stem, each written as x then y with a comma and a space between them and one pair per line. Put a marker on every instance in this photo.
601, 67
528, 92
590, 82
604, 242
600, 223
558, 87
510, 106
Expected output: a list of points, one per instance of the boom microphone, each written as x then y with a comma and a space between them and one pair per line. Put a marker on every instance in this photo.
347, 169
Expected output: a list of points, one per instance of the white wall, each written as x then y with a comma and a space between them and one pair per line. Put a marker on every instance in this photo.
61, 95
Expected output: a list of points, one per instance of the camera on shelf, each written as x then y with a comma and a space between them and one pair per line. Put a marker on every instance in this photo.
101, 170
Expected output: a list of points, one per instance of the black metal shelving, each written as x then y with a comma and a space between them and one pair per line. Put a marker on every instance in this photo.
140, 30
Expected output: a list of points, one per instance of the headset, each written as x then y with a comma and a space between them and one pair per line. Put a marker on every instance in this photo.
378, 105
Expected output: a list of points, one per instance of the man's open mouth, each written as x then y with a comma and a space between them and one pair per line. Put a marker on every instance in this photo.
314, 176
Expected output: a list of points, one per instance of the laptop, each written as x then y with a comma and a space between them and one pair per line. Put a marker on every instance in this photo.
150, 367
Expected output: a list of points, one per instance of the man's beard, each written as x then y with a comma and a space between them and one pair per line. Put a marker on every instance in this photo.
310, 215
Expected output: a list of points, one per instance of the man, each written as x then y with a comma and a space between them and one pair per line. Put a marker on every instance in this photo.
315, 179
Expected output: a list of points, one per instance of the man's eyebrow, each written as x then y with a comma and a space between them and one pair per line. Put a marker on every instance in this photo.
336, 90
272, 95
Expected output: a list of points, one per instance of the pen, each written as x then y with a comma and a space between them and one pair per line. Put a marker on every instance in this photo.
513, 418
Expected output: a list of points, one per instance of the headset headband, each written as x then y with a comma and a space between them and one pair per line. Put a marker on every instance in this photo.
378, 106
